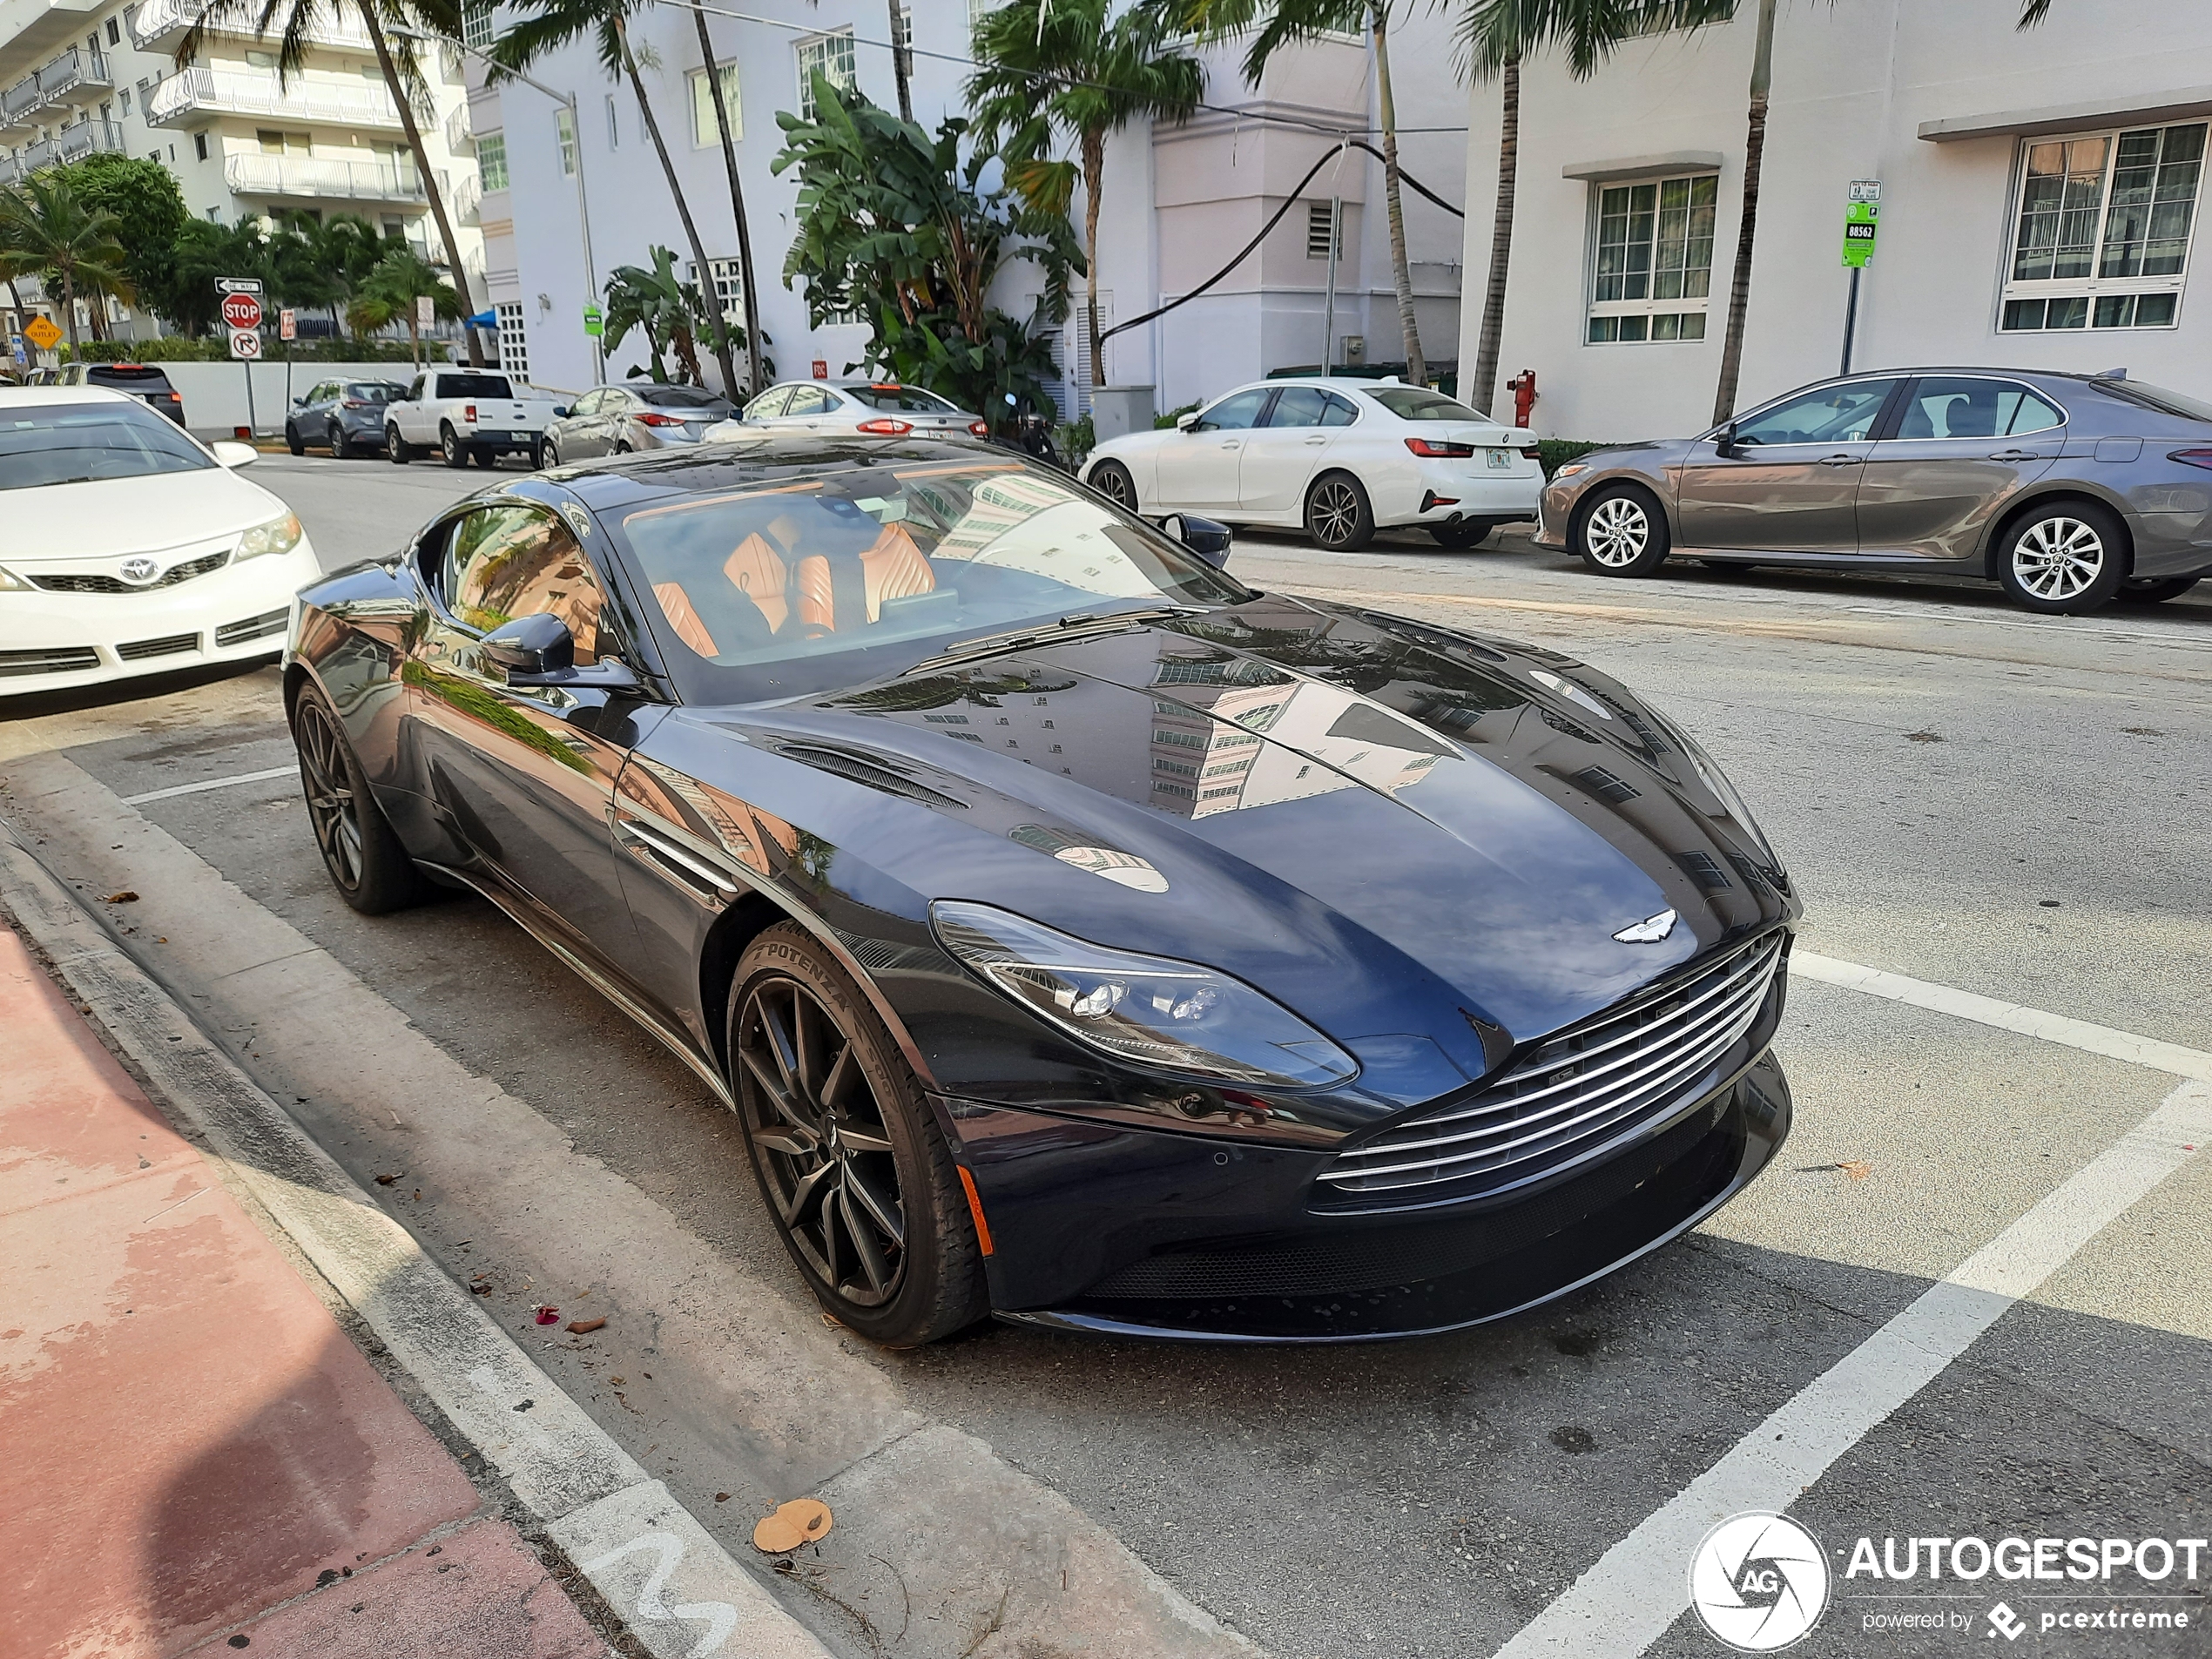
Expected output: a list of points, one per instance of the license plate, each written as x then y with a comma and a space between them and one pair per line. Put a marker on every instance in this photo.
500, 438
1498, 460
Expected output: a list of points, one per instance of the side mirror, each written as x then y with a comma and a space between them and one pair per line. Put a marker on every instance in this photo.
1209, 538
234, 455
560, 411
300, 401
1724, 445
1185, 423
531, 645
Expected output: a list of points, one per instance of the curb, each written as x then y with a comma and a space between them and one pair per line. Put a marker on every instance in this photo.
680, 1593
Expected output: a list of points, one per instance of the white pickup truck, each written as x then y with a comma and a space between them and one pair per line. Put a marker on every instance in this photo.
462, 413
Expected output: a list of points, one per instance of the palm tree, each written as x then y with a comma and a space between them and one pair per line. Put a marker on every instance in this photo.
401, 64
1286, 22
45, 228
1497, 35
1739, 287
658, 303
1050, 70
554, 24
401, 278
736, 206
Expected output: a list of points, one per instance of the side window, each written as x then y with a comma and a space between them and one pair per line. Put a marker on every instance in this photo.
1234, 413
415, 391
769, 402
1299, 405
508, 562
1339, 411
591, 403
808, 400
1826, 415
2032, 414
1966, 406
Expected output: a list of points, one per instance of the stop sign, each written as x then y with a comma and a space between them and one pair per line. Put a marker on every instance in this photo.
242, 310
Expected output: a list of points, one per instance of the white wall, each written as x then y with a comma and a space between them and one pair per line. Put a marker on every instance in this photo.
214, 393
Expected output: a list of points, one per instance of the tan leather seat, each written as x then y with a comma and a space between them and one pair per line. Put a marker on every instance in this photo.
894, 568
758, 572
682, 616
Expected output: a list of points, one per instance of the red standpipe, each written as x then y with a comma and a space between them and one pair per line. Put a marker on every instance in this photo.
1523, 388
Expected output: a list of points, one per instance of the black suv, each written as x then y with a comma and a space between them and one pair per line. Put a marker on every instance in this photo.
141, 380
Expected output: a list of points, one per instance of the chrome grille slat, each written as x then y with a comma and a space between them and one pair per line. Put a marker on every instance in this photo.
1651, 1051
71, 581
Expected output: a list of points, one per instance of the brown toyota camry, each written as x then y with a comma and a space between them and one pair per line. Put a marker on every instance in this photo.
2071, 490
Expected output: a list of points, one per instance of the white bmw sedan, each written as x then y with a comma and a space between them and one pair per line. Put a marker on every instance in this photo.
1343, 458
129, 546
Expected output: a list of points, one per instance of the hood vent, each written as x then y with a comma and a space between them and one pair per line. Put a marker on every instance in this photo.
865, 769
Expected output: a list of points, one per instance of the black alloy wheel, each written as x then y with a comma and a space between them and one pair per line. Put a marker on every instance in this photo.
370, 869
293, 440
857, 1176
1338, 516
1112, 480
450, 444
2155, 589
1468, 532
396, 447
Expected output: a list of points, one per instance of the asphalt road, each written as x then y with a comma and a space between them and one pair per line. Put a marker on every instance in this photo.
2013, 808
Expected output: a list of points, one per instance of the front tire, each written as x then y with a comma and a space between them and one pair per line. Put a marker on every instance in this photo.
368, 867
2062, 558
1337, 514
548, 455
2151, 590
395, 448
449, 445
1112, 480
859, 1180
1622, 532
1468, 532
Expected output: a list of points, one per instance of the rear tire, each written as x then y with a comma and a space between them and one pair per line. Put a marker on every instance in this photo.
2063, 557
449, 445
395, 448
2151, 590
1337, 514
368, 867
293, 440
335, 438
1112, 480
548, 455
1468, 532
1621, 531
857, 1177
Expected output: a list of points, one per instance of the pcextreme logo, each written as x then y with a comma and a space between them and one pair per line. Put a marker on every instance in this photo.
1758, 1581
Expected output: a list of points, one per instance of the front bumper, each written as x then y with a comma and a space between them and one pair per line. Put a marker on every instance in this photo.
1102, 1228
52, 642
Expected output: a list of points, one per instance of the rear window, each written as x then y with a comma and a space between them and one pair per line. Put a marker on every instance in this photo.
474, 386
131, 375
382, 391
911, 398
75, 443
2157, 398
687, 397
1418, 404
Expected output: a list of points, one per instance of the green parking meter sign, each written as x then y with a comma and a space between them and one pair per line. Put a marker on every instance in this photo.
1860, 215
594, 324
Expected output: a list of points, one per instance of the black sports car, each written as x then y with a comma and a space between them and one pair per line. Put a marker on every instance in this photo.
1081, 936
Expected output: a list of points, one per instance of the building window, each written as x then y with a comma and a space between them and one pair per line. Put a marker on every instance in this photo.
703, 133
564, 129
1654, 269
2102, 235
979, 9
1320, 222
729, 288
200, 145
114, 32
491, 161
614, 126
514, 348
476, 24
830, 57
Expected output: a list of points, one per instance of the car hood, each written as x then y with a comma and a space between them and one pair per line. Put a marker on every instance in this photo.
167, 512
1413, 837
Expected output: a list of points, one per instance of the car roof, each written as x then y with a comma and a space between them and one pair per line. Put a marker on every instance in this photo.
58, 393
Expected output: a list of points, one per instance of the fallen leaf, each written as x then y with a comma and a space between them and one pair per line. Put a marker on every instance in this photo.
617, 1381
1858, 1169
583, 1327
549, 1316
124, 897
480, 1290
803, 1521
721, 1497
386, 1180
1924, 737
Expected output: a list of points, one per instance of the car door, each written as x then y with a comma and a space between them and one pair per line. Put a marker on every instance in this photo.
411, 417
577, 434
763, 410
1197, 468
1961, 448
523, 776
1789, 484
809, 410
1280, 456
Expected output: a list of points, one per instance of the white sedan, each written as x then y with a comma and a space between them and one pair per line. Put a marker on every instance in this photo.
1344, 458
130, 547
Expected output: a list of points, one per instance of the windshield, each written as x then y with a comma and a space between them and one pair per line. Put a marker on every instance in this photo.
75, 443
686, 397
911, 398
857, 575
134, 376
374, 391
474, 386
1414, 404
2157, 398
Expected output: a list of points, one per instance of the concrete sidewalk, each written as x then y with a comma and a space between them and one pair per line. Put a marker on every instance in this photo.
200, 1458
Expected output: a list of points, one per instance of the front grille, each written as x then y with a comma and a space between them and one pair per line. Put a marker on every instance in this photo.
168, 578
138, 649
62, 660
235, 633
1573, 1093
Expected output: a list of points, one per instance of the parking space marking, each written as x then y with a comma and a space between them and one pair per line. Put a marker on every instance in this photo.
212, 783
1639, 1588
2009, 1016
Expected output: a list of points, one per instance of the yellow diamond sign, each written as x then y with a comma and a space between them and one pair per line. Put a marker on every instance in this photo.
41, 332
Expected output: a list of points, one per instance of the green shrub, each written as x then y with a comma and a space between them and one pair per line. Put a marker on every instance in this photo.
176, 348
1552, 454
1161, 422
1076, 440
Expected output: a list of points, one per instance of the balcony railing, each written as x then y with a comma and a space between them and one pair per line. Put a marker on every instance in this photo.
77, 72
201, 91
305, 176
459, 138
158, 24
468, 196
18, 100
71, 143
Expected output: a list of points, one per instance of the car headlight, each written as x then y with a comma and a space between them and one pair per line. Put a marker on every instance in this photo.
11, 583
279, 534
1149, 1011
1568, 471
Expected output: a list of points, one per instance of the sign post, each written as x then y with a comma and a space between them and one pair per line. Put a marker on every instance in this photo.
287, 330
242, 315
1861, 214
595, 322
42, 333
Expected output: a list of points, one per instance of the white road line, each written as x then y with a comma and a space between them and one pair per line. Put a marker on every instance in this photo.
1639, 1587
212, 783
2010, 1016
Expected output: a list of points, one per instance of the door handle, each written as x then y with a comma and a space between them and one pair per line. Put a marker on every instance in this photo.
1841, 461
1231, 445
1317, 440
2015, 454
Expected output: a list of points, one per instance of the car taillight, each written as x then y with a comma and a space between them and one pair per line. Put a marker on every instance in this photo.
885, 426
468, 414
980, 428
654, 417
2191, 457
176, 397
1440, 451
353, 402
1531, 452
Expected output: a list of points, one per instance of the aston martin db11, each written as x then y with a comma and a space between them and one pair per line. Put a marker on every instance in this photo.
1080, 935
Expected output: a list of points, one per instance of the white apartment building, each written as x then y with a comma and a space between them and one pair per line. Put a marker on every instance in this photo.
1180, 202
82, 76
2039, 192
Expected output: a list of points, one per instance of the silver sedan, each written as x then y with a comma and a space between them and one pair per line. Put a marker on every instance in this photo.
883, 407
2070, 491
644, 415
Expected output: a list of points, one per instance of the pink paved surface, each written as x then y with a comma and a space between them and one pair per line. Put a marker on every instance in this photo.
192, 1440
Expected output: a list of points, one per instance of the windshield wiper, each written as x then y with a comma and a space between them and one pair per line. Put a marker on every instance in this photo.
1074, 627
